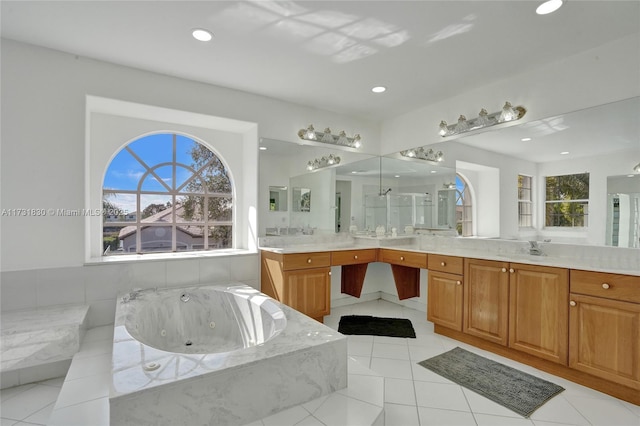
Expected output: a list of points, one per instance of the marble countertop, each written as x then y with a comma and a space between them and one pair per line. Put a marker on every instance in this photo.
591, 258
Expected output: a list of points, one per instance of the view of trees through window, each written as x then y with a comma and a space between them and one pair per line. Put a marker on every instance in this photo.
567, 200
166, 193
525, 201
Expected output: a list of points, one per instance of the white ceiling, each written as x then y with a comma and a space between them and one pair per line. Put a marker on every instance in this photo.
326, 54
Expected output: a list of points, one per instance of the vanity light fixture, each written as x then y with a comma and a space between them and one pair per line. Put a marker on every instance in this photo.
323, 161
311, 134
484, 119
422, 154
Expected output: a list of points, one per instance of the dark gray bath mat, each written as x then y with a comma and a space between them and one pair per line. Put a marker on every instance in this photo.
376, 326
511, 388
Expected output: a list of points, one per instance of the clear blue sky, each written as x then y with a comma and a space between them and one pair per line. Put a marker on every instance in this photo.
125, 171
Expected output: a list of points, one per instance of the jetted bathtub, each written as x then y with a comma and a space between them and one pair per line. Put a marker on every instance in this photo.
217, 355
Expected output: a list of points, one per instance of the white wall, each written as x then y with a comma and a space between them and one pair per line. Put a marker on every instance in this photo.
43, 114
43, 136
602, 75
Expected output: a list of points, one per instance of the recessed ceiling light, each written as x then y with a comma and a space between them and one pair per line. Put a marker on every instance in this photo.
525, 139
631, 176
397, 176
564, 152
433, 171
379, 89
263, 148
201, 35
548, 7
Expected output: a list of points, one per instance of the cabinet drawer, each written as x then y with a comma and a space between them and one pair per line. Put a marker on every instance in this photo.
448, 264
404, 258
306, 260
610, 286
353, 257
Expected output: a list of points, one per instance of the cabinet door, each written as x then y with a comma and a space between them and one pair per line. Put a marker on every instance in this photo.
308, 291
444, 300
486, 299
604, 338
538, 311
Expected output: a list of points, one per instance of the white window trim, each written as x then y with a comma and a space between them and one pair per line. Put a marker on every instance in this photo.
133, 120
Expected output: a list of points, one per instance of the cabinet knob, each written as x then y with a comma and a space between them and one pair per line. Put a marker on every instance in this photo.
309, 260
605, 286
572, 303
442, 264
511, 270
458, 282
504, 269
401, 257
329, 272
355, 257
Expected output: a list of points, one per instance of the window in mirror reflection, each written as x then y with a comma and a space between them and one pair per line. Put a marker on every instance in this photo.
301, 199
464, 207
567, 200
278, 198
525, 202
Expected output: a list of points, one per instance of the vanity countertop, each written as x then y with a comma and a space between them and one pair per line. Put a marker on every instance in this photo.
590, 258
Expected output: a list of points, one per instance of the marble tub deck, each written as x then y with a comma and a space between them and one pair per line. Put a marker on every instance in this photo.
39, 337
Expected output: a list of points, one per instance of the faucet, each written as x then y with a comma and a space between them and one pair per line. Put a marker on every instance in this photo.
534, 249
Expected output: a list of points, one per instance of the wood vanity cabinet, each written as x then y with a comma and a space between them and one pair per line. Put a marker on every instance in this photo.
538, 314
486, 300
520, 306
405, 266
354, 265
445, 290
604, 326
299, 280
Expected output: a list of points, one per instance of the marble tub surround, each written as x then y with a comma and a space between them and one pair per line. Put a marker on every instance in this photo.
304, 361
39, 337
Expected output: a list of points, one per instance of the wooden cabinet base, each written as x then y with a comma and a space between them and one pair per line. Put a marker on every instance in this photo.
614, 389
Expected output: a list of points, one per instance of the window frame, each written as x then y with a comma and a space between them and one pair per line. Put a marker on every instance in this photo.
585, 201
111, 123
173, 192
524, 201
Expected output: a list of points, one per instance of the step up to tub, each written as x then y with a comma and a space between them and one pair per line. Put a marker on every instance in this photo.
40, 337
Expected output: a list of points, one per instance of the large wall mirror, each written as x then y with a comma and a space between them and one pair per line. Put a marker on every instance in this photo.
603, 141
364, 191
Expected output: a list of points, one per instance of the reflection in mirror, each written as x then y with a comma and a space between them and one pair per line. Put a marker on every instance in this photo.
283, 163
396, 194
603, 141
278, 198
623, 211
301, 200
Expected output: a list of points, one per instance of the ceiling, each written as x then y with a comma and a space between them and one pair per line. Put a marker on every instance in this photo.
326, 54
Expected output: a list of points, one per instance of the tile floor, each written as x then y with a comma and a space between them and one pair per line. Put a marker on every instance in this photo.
412, 394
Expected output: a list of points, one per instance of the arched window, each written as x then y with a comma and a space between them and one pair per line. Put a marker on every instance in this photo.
464, 208
166, 192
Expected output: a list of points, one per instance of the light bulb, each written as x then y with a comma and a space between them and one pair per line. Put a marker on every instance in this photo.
462, 125
309, 166
444, 130
482, 118
411, 153
330, 160
311, 133
507, 113
342, 138
356, 141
